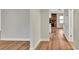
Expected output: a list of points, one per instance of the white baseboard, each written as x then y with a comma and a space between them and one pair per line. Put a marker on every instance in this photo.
44, 39
38, 43
66, 37
33, 48
70, 41
15, 39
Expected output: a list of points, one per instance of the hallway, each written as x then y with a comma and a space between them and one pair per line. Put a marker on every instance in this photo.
56, 42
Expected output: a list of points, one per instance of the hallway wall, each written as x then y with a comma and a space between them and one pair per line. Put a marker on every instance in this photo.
66, 23
71, 25
39, 21
15, 24
0, 19
24, 25
76, 28
44, 24
34, 27
0, 24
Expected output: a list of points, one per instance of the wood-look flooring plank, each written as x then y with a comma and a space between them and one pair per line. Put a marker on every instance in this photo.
42, 45
14, 45
56, 41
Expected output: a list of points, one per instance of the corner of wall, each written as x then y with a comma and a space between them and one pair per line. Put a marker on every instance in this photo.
42, 39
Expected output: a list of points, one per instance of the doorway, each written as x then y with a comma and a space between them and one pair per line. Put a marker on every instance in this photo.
53, 20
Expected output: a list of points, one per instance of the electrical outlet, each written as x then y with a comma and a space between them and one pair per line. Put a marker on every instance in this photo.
70, 35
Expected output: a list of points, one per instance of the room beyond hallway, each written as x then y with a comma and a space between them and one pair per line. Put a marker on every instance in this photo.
57, 41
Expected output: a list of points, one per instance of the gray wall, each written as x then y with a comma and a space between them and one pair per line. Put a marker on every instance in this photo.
71, 25
66, 23
76, 28
15, 24
34, 27
0, 19
25, 25
39, 21
44, 23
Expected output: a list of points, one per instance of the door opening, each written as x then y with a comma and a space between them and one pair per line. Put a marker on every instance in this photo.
52, 22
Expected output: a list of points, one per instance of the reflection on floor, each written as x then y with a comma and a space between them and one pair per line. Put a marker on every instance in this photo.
56, 42
14, 45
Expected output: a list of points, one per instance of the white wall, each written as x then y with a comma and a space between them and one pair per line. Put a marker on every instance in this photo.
66, 23
15, 24
22, 24
0, 24
44, 24
34, 27
76, 28
39, 20
71, 25
0, 19
3, 24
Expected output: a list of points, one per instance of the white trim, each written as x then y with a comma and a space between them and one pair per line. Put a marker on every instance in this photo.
70, 44
0, 19
15, 39
35, 45
44, 39
69, 14
68, 38
72, 24
38, 43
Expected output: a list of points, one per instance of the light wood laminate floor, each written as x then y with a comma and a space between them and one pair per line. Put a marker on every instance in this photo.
14, 45
57, 41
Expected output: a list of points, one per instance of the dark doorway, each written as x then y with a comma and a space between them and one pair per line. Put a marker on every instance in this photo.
53, 20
